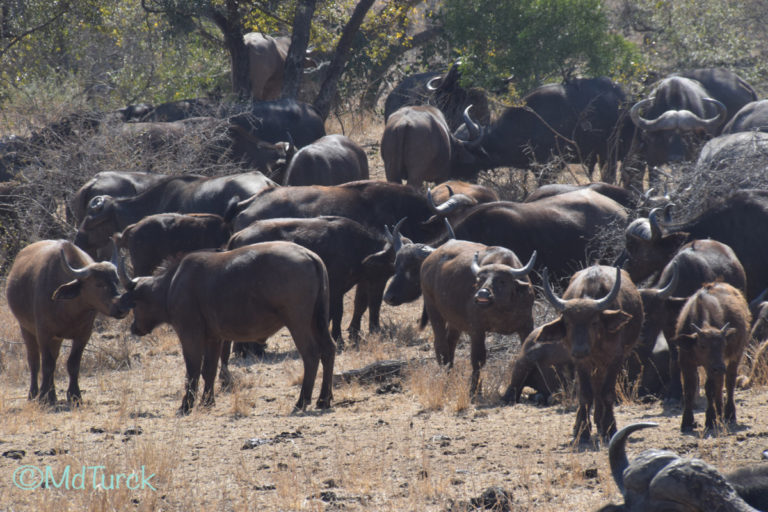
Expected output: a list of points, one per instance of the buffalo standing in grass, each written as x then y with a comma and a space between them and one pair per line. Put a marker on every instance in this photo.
600, 318
712, 331
52, 301
244, 294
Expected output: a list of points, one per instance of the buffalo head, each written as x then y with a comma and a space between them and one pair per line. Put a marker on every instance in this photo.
648, 248
406, 283
146, 295
584, 322
499, 285
707, 344
97, 227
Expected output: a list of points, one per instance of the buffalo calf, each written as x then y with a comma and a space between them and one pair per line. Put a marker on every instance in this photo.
711, 331
54, 291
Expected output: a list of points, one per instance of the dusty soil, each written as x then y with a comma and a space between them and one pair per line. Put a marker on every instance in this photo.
414, 442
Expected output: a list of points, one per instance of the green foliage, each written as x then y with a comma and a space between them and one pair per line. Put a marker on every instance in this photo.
535, 40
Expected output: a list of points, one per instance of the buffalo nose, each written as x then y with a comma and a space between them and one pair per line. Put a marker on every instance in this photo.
483, 296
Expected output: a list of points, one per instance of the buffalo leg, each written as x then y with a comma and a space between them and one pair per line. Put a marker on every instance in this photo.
361, 301
336, 312
375, 295
714, 391
33, 360
327, 358
478, 357
193, 361
582, 427
311, 359
689, 391
73, 368
49, 356
730, 384
224, 375
604, 418
211, 356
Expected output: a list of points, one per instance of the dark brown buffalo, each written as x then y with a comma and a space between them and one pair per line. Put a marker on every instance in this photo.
544, 365
352, 254
695, 263
600, 318
560, 228
712, 331
110, 183
181, 194
738, 220
662, 480
417, 146
372, 203
473, 288
55, 290
751, 117
442, 91
157, 237
243, 294
330, 160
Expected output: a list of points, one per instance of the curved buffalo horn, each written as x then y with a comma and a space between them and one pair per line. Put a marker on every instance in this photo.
653, 219
122, 273
475, 264
450, 190
434, 83
76, 273
475, 132
448, 227
621, 259
757, 300
722, 111
668, 212
397, 238
524, 271
697, 329
725, 328
558, 303
450, 205
602, 304
617, 454
671, 285
640, 121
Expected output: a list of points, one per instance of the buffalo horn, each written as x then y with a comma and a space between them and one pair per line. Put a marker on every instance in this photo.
76, 273
671, 285
448, 227
558, 303
725, 328
450, 190
602, 304
653, 219
716, 121
397, 238
521, 272
434, 83
756, 302
621, 259
640, 121
617, 454
451, 204
475, 264
474, 130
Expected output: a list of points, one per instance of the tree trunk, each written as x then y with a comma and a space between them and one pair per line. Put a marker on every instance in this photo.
230, 25
336, 68
294, 62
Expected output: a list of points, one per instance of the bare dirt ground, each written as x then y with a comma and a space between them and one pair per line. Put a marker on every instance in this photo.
413, 443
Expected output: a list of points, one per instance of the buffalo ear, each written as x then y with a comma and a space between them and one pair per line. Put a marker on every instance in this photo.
615, 319
67, 291
554, 330
686, 341
380, 261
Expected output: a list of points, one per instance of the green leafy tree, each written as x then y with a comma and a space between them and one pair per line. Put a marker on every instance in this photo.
533, 41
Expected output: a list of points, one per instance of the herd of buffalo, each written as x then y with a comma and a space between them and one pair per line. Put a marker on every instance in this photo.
235, 258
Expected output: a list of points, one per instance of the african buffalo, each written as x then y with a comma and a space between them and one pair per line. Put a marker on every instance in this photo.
157, 237
473, 288
266, 64
52, 300
330, 160
174, 110
621, 195
544, 365
600, 318
282, 120
560, 228
725, 86
737, 220
578, 120
745, 151
751, 117
711, 331
695, 264
182, 194
442, 192
372, 203
243, 294
110, 183
417, 146
352, 254
662, 480
442, 91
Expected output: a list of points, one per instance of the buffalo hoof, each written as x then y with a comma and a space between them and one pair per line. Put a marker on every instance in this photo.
689, 427
324, 403
74, 399
183, 411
